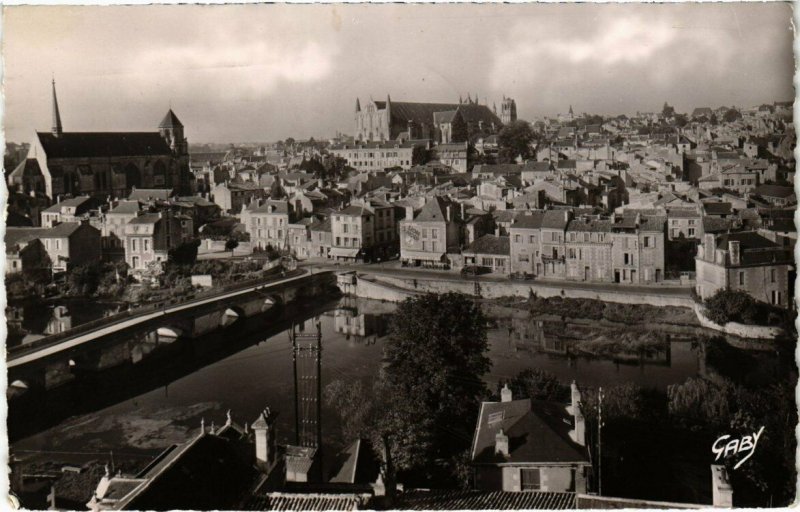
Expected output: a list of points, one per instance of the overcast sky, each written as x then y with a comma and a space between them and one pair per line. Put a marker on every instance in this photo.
264, 72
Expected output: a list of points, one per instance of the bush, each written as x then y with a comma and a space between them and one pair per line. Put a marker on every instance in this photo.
738, 306
537, 385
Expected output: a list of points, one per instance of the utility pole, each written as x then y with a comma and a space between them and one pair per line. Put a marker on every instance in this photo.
600, 441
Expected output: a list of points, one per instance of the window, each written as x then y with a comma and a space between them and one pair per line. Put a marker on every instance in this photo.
424, 233
133, 244
530, 479
741, 278
434, 232
344, 228
627, 258
572, 254
486, 262
523, 258
647, 241
773, 275
532, 239
691, 231
424, 245
517, 239
146, 245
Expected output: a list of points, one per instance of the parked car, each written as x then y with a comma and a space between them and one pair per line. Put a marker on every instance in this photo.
474, 270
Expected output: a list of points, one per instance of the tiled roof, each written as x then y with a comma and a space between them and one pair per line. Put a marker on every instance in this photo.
272, 206
103, 144
592, 225
146, 194
482, 500
716, 225
147, 218
716, 208
490, 244
355, 210
126, 207
538, 432
306, 501
774, 191
74, 201
531, 220
434, 210
555, 219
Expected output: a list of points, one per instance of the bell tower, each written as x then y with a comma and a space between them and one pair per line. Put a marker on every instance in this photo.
171, 130
508, 110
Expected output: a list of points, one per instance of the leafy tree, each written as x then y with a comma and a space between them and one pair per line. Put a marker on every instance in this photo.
420, 155
732, 115
668, 110
714, 121
186, 253
289, 142
517, 138
681, 120
537, 385
312, 166
698, 401
231, 244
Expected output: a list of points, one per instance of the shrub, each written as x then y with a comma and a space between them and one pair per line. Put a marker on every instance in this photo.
738, 306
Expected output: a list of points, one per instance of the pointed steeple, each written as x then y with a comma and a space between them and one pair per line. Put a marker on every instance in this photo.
570, 110
358, 105
56, 128
460, 99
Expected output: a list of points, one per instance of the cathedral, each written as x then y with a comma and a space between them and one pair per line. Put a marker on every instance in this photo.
382, 121
104, 164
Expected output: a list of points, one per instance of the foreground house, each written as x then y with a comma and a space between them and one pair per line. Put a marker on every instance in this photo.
530, 445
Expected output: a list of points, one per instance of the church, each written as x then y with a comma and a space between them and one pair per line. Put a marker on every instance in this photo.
443, 123
104, 164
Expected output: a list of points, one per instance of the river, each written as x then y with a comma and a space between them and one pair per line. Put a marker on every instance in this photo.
254, 371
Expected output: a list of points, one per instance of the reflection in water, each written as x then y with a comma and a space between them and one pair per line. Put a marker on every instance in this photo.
249, 366
30, 321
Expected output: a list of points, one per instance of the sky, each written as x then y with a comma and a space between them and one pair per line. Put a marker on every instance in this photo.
268, 72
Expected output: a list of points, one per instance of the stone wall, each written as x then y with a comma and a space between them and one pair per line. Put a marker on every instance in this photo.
397, 289
758, 332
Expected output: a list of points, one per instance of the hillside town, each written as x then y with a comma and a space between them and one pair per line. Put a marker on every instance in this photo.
525, 296
656, 199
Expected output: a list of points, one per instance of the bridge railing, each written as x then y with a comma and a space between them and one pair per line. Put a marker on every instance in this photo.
192, 297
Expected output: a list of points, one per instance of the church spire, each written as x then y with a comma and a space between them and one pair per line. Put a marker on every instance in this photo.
56, 128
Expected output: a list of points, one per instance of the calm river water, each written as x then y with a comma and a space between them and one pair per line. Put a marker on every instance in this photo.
260, 374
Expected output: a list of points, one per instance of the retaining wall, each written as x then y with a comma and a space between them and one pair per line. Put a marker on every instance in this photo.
394, 286
758, 332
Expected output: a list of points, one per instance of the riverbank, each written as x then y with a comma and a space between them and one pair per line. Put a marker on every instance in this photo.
395, 287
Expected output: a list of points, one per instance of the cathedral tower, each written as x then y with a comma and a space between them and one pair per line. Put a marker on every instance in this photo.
508, 110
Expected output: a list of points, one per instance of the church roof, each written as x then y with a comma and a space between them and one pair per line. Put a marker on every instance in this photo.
102, 144
423, 113
170, 121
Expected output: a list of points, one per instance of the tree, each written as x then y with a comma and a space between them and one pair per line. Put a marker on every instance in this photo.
437, 357
668, 111
537, 385
185, 253
732, 115
231, 244
517, 137
289, 142
714, 121
681, 120
420, 155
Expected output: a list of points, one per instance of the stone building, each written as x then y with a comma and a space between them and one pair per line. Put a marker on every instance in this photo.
439, 122
103, 164
744, 261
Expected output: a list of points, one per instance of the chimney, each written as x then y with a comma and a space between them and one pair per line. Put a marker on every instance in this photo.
734, 252
579, 433
721, 490
501, 443
576, 397
505, 394
264, 430
448, 213
709, 246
